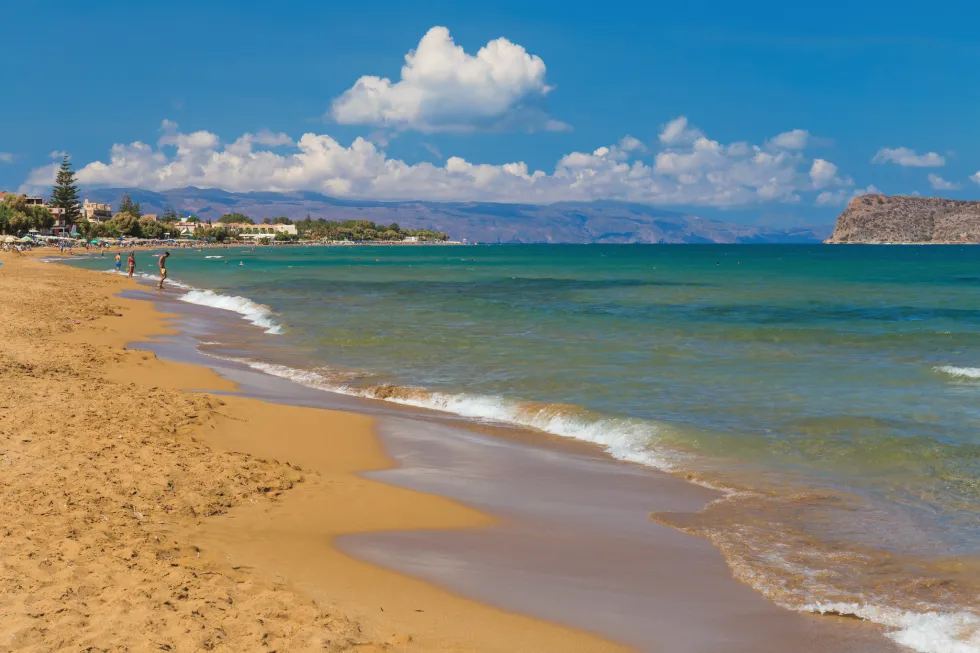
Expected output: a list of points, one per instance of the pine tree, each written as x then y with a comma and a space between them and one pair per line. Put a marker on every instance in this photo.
64, 195
126, 204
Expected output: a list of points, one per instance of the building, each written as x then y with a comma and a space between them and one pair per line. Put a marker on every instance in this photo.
260, 230
96, 212
182, 228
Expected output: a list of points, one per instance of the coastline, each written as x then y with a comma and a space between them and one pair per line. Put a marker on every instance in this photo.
113, 467
271, 555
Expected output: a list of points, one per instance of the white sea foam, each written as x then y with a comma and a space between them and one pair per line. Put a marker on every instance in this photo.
214, 257
926, 632
258, 314
960, 372
152, 277
624, 439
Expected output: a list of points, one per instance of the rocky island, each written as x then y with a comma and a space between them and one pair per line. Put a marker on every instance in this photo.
880, 219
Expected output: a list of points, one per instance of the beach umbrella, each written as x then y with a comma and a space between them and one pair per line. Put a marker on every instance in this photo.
9, 239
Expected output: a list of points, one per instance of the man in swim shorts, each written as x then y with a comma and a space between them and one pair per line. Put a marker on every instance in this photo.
163, 269
118, 263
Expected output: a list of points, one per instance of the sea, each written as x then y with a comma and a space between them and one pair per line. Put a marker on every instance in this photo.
831, 392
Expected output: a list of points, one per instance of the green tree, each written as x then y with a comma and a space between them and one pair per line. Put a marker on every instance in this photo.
64, 195
5, 214
282, 220
126, 204
43, 218
231, 218
125, 224
169, 214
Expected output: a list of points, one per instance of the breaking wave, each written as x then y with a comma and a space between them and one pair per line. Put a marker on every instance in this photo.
631, 440
258, 314
960, 372
930, 632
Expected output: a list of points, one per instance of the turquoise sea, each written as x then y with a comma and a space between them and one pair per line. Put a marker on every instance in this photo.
834, 391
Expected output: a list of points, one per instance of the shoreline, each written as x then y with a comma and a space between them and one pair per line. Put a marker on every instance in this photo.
846, 631
178, 477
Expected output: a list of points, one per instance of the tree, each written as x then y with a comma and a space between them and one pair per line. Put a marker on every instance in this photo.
282, 220
232, 218
169, 215
193, 218
43, 218
64, 195
126, 204
6, 213
125, 224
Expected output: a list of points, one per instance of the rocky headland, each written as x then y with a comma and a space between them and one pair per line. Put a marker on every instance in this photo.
881, 219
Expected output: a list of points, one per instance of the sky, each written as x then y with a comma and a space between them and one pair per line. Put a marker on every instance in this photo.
763, 112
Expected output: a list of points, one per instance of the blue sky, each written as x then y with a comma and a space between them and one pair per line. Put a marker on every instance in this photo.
856, 77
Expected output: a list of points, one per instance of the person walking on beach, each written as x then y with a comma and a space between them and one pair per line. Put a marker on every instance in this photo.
118, 263
163, 269
131, 264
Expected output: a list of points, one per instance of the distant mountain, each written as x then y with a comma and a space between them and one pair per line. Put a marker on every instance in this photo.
926, 220
563, 222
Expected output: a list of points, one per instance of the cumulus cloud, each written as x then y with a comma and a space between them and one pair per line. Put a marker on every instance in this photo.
796, 139
908, 158
842, 196
938, 183
6, 157
823, 173
698, 172
677, 132
444, 89
975, 178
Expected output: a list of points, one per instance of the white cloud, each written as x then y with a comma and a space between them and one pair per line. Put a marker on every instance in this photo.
676, 132
702, 172
905, 157
975, 178
823, 173
938, 183
796, 139
6, 157
838, 197
444, 89
58, 154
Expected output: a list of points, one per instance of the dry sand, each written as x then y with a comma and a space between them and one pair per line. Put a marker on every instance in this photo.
137, 515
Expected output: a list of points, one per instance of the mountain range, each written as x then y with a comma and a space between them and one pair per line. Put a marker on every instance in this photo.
562, 222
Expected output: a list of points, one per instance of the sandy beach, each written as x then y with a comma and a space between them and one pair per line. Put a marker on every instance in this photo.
159, 505
114, 475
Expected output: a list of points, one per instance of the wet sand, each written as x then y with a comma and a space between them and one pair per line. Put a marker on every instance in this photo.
573, 544
113, 474
422, 533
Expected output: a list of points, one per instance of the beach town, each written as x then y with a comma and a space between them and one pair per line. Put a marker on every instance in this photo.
62, 221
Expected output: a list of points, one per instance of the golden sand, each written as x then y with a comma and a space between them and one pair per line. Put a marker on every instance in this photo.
138, 515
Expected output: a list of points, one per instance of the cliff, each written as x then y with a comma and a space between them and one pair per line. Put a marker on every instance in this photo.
883, 219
